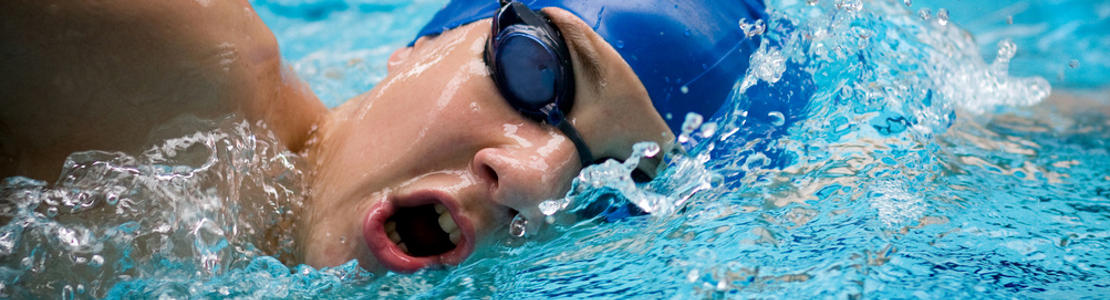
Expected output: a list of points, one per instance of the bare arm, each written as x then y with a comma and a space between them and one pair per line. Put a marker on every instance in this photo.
80, 75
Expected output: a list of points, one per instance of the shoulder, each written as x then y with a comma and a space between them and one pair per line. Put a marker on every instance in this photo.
81, 75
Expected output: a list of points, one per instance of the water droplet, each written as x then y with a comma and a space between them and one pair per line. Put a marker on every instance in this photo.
1074, 63
519, 226
648, 149
907, 2
686, 33
112, 198
811, 2
1006, 50
620, 44
925, 14
845, 92
692, 276
708, 129
942, 16
850, 5
550, 207
67, 292
1010, 20
752, 29
693, 121
777, 118
759, 27
684, 89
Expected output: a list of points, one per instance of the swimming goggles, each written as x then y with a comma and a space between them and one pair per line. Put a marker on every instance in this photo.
530, 63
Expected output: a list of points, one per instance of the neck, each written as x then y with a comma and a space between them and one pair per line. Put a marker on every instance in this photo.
293, 113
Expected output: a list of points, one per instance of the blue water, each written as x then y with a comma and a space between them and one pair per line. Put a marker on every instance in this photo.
939, 157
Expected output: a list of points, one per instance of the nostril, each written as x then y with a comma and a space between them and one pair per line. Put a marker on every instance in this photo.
490, 174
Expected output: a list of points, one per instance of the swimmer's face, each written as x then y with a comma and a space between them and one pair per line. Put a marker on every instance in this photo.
433, 160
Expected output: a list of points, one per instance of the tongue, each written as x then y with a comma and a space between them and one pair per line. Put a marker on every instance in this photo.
420, 231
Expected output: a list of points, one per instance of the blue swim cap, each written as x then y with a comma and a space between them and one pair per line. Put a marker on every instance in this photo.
687, 53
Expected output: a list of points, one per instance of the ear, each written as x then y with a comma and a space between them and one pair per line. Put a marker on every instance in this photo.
397, 58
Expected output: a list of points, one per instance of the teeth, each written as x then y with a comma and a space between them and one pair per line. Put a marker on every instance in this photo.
455, 237
394, 236
390, 226
447, 223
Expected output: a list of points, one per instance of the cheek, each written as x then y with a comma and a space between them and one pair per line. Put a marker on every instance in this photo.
551, 160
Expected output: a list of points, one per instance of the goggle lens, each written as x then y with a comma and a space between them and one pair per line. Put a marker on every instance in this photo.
529, 70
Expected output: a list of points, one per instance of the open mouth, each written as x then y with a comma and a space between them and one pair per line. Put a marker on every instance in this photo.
418, 231
426, 230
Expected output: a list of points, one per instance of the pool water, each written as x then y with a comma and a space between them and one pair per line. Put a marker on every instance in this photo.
949, 149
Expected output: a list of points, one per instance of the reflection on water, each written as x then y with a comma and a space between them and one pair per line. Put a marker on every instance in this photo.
918, 169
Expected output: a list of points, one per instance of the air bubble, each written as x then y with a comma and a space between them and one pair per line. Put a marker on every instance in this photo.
684, 89
1074, 63
811, 2
619, 44
907, 2
942, 17
925, 14
519, 226
777, 118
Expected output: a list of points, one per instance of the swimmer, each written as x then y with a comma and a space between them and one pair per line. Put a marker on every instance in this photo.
493, 108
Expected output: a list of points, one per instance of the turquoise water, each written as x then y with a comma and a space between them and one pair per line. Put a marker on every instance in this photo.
939, 157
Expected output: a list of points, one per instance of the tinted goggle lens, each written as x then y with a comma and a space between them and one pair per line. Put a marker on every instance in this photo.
529, 70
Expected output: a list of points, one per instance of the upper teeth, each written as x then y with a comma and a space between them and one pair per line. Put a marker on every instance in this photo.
446, 223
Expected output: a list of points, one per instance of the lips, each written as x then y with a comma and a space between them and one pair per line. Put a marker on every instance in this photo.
421, 230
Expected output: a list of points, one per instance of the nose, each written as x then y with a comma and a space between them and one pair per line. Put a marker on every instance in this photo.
527, 171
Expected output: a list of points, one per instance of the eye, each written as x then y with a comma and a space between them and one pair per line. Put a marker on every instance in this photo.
638, 176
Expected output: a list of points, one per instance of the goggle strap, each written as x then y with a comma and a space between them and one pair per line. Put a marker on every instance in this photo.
580, 145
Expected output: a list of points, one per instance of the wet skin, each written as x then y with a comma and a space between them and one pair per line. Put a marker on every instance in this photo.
434, 131
460, 144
